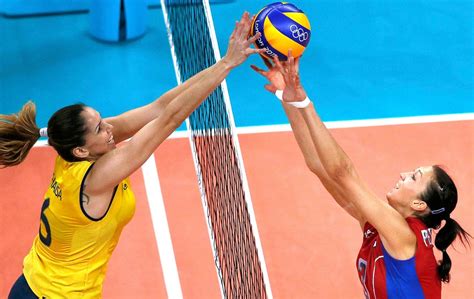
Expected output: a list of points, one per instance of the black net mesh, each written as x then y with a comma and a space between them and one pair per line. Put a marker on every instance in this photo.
219, 174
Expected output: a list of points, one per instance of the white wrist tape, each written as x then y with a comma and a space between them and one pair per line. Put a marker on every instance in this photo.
279, 94
301, 104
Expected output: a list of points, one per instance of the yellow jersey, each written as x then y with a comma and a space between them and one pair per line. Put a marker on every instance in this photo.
69, 256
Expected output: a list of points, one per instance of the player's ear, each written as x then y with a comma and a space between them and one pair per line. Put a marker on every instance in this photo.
418, 205
80, 152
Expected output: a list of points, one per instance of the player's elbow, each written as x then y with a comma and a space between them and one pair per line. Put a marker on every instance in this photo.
173, 116
341, 172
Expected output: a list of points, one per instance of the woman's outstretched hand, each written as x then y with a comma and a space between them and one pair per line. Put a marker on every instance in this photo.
293, 91
273, 75
239, 43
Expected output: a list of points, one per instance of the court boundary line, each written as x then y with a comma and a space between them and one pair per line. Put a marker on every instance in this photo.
161, 228
376, 122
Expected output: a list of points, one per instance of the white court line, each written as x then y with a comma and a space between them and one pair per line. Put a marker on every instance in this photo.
365, 123
161, 229
336, 124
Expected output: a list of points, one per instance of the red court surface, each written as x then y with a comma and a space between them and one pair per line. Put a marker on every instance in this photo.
309, 243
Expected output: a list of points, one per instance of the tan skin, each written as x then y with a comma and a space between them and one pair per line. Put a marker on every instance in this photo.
150, 125
327, 160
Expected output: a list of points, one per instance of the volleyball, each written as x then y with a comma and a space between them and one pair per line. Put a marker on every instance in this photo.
283, 27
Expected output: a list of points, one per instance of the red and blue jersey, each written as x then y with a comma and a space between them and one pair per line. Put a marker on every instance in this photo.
384, 277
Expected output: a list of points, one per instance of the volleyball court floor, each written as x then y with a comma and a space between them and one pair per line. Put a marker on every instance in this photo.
309, 243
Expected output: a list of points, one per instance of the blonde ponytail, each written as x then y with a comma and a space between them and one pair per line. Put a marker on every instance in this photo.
18, 134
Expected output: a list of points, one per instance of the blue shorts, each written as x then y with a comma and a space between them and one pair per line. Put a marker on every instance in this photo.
21, 290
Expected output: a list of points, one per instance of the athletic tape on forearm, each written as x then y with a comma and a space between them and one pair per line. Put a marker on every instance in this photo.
300, 104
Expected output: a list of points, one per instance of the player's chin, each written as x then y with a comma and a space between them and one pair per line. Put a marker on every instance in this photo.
390, 194
109, 147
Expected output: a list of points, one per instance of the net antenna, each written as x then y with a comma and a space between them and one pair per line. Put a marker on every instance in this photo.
225, 194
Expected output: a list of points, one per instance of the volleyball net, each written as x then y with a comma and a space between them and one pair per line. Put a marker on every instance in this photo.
221, 176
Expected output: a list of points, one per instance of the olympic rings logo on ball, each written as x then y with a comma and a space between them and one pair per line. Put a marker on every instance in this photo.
282, 26
299, 33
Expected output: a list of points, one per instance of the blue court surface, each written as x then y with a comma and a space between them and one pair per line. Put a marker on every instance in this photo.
367, 59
